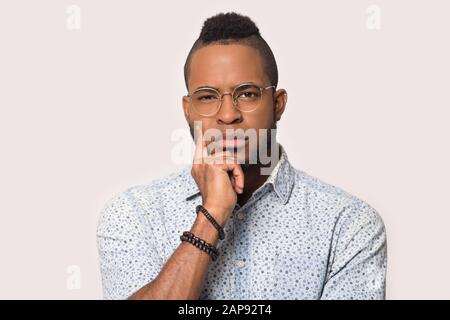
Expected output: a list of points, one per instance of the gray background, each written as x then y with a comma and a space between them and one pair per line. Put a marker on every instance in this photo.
86, 113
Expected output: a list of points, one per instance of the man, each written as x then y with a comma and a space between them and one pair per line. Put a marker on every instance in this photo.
287, 235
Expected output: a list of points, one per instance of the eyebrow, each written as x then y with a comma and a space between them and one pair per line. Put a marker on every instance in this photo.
212, 87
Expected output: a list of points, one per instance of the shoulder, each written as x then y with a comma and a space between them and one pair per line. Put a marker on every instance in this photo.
330, 199
125, 206
173, 184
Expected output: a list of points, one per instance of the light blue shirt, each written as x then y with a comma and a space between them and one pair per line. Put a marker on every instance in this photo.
296, 238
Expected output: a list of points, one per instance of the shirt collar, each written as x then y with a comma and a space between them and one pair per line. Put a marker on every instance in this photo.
281, 178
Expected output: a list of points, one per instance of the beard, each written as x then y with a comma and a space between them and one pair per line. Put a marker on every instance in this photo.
246, 167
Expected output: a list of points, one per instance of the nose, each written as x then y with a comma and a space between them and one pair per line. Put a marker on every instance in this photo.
228, 113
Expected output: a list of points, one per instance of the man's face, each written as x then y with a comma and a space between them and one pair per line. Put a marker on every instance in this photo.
224, 67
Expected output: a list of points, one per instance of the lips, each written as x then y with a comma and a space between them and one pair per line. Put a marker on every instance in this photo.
232, 142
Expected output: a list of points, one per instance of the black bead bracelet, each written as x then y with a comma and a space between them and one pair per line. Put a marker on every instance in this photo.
200, 244
212, 220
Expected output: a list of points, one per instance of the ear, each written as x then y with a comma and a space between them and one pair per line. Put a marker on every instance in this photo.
280, 101
186, 103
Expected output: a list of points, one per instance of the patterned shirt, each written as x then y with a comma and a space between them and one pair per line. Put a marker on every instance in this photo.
297, 237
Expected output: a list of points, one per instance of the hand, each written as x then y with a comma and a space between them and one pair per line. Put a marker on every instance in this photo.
219, 178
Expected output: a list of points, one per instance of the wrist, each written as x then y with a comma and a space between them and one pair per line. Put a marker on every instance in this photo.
220, 214
205, 230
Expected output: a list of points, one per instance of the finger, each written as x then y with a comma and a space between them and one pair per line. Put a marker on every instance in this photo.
222, 157
214, 147
200, 152
233, 183
228, 160
238, 176
221, 160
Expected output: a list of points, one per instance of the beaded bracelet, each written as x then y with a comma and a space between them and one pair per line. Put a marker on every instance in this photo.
212, 220
200, 244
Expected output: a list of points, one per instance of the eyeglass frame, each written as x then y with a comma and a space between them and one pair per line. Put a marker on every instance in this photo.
221, 95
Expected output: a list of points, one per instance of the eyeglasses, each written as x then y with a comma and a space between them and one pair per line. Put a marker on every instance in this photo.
246, 97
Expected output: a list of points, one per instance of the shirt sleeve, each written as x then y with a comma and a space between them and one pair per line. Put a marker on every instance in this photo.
127, 256
358, 262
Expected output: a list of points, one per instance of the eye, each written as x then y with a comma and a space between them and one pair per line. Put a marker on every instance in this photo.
207, 98
247, 95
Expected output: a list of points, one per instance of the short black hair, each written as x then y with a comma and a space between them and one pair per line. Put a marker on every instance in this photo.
228, 28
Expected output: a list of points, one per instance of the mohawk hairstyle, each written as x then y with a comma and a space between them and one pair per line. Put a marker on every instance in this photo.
229, 28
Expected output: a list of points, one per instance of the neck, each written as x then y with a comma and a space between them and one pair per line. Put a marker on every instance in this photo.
253, 180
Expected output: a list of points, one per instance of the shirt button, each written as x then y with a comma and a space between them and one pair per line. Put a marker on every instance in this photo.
240, 263
240, 215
